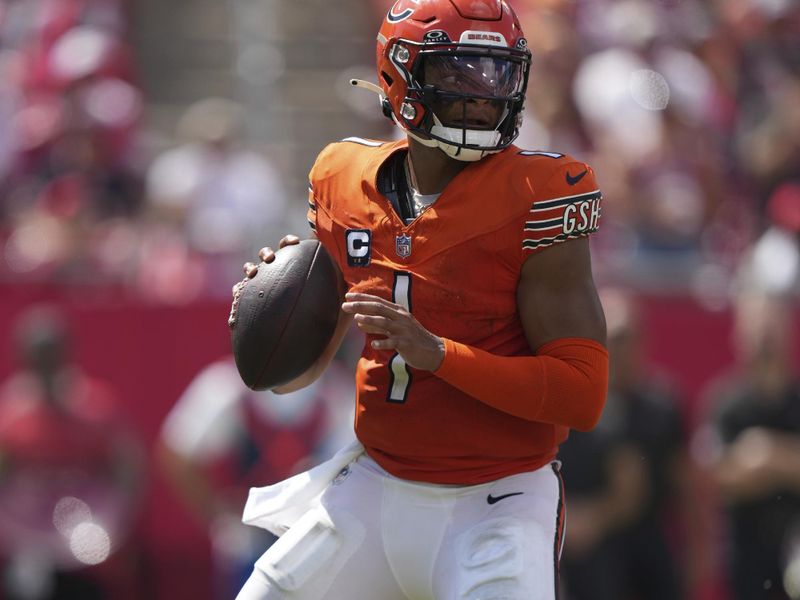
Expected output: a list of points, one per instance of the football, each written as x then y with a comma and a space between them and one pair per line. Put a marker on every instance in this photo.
286, 315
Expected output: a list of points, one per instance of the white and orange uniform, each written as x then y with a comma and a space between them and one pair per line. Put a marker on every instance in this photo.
452, 498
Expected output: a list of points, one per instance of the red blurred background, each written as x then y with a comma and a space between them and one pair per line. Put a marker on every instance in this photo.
148, 149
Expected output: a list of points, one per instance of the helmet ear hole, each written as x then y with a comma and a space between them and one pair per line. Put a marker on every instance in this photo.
387, 78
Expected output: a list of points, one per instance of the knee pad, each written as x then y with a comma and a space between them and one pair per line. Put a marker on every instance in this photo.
492, 563
306, 559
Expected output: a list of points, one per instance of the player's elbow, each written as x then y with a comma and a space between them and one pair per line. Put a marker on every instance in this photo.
590, 380
578, 406
575, 371
592, 409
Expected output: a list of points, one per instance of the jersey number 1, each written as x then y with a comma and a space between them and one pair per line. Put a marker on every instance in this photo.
399, 371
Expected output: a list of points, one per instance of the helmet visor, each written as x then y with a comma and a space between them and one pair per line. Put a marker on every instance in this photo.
481, 76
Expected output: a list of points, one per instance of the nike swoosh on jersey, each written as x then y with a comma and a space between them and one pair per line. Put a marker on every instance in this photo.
573, 180
494, 499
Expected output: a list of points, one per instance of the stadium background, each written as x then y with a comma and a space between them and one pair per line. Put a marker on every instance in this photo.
689, 111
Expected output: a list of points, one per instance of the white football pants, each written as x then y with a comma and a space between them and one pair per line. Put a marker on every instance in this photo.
377, 537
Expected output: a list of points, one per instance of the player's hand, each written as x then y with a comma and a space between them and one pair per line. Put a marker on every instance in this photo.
266, 255
403, 333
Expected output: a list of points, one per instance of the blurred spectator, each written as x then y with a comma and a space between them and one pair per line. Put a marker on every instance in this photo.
225, 198
773, 264
689, 110
755, 452
70, 471
68, 178
626, 482
221, 438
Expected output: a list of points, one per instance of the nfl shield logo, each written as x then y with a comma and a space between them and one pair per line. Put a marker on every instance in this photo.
403, 245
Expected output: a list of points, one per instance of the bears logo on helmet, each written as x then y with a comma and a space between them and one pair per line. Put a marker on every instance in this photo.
397, 16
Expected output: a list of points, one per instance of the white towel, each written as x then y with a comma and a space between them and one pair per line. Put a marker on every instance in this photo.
277, 507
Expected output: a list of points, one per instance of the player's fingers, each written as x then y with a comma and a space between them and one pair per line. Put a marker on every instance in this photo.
369, 308
387, 343
266, 254
289, 240
371, 329
250, 269
381, 323
359, 297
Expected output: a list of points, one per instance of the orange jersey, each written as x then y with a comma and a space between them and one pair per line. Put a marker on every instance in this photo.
456, 267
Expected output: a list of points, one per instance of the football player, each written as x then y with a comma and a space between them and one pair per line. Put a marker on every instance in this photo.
468, 268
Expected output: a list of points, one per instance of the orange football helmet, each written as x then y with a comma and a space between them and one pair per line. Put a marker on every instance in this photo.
453, 73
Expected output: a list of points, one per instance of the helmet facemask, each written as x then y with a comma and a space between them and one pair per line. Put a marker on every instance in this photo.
467, 99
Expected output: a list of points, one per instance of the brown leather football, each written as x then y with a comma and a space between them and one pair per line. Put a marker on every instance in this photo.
286, 315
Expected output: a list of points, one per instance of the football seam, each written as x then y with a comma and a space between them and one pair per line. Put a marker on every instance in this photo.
289, 317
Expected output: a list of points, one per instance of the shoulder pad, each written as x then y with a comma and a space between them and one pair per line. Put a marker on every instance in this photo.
547, 175
346, 154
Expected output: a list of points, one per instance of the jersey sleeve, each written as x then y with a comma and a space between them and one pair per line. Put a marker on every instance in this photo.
318, 176
568, 206
321, 192
311, 212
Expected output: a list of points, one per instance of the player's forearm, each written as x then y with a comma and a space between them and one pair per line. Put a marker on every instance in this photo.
565, 384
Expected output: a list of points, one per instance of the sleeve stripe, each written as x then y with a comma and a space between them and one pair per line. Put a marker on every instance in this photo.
311, 199
542, 242
537, 225
556, 202
312, 208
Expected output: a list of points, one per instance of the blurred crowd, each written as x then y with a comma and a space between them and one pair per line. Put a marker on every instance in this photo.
661, 507
689, 111
69, 112
71, 471
81, 200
